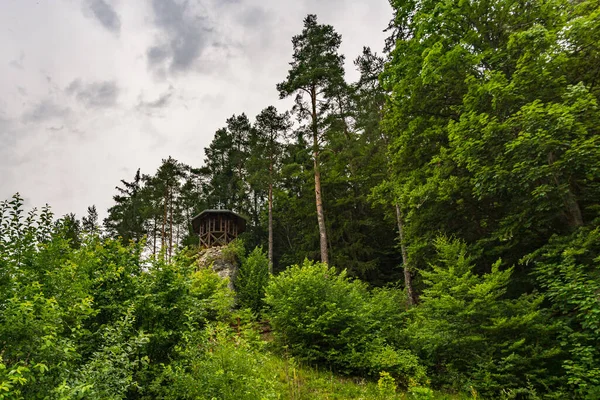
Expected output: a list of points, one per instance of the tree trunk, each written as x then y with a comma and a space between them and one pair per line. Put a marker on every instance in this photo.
271, 216
572, 209
405, 264
163, 233
177, 237
170, 223
154, 235
317, 170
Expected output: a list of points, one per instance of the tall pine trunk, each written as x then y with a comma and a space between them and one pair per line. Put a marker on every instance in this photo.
317, 170
271, 215
154, 236
170, 223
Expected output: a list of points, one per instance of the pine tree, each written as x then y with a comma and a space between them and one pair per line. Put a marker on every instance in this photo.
270, 127
89, 223
316, 74
167, 181
124, 219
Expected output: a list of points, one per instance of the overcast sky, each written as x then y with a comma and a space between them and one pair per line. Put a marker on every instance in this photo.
91, 90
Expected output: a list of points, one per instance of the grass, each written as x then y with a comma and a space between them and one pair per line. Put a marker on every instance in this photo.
293, 380
300, 382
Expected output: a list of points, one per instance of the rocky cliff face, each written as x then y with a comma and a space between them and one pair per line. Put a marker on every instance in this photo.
224, 264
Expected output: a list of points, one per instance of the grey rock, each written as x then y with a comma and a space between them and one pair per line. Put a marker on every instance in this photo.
217, 258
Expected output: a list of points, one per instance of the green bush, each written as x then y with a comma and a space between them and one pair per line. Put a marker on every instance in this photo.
215, 298
252, 280
386, 385
325, 317
109, 373
316, 311
218, 364
234, 251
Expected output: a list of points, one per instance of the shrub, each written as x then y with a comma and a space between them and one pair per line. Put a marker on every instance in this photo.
234, 251
252, 280
322, 316
213, 294
218, 364
109, 373
386, 385
316, 311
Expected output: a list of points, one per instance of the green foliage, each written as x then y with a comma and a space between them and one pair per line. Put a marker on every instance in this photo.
386, 385
493, 127
493, 137
155, 208
216, 299
419, 392
568, 269
316, 63
218, 363
235, 251
96, 320
480, 123
470, 334
109, 372
43, 310
252, 280
315, 310
323, 316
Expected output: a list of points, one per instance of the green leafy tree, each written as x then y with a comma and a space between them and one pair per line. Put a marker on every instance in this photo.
490, 131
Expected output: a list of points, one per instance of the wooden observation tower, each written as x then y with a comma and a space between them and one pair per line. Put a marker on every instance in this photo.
218, 227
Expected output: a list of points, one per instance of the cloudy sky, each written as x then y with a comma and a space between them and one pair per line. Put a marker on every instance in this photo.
91, 90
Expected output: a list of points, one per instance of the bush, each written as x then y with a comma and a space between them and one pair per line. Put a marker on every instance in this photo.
315, 311
97, 320
109, 373
252, 280
218, 364
215, 298
386, 385
322, 316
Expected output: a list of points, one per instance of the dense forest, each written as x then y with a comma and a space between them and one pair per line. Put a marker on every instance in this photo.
431, 230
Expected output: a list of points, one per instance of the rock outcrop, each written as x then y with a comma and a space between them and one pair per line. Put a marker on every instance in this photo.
223, 263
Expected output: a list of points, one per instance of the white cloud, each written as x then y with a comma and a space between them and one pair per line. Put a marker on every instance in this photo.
107, 86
